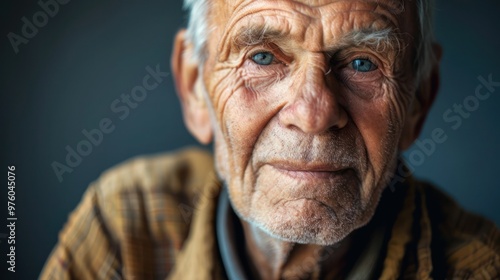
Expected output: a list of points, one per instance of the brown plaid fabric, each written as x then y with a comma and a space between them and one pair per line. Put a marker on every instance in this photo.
154, 218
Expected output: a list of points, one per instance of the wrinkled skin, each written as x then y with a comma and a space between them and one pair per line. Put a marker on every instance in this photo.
305, 144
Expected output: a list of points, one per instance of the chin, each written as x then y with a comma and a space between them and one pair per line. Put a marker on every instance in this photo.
310, 222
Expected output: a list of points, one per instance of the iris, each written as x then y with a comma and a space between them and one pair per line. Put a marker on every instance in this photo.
363, 65
263, 58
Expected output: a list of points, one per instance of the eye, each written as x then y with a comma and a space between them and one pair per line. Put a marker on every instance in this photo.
263, 58
363, 65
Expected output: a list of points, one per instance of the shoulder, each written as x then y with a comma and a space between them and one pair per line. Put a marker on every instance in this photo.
469, 243
130, 218
178, 173
145, 197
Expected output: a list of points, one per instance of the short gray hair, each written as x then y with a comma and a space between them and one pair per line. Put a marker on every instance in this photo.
198, 32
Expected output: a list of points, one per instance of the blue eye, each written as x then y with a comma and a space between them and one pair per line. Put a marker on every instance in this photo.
263, 58
363, 65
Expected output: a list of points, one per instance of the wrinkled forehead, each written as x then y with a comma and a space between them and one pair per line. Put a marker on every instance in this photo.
233, 6
301, 15
229, 8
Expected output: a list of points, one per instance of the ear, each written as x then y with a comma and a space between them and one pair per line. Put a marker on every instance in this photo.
424, 97
189, 85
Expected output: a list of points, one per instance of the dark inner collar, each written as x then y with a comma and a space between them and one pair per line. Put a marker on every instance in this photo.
230, 239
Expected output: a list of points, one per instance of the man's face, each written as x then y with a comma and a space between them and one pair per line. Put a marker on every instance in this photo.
307, 110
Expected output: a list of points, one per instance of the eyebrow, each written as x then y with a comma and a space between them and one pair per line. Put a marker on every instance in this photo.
256, 35
377, 39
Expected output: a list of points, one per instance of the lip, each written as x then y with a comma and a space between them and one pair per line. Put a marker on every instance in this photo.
310, 170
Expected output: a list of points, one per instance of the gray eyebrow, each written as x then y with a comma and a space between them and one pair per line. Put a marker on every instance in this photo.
377, 39
255, 35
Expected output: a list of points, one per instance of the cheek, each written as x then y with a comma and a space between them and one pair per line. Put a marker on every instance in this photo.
380, 123
243, 105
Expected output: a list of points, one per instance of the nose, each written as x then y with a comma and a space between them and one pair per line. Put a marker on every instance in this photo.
315, 107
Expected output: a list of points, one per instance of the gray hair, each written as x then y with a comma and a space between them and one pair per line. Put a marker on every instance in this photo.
198, 31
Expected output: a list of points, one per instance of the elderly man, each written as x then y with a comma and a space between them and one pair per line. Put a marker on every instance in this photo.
309, 104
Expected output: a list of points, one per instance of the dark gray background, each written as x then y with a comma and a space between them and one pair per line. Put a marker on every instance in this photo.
66, 77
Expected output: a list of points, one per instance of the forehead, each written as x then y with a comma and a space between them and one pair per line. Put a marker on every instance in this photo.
309, 7
301, 15
232, 5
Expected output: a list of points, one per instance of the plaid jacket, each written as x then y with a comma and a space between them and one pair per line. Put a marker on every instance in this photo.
154, 218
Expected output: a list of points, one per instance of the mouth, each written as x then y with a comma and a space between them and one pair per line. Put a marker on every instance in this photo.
310, 170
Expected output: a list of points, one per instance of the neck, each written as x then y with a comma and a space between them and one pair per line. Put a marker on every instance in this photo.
273, 258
